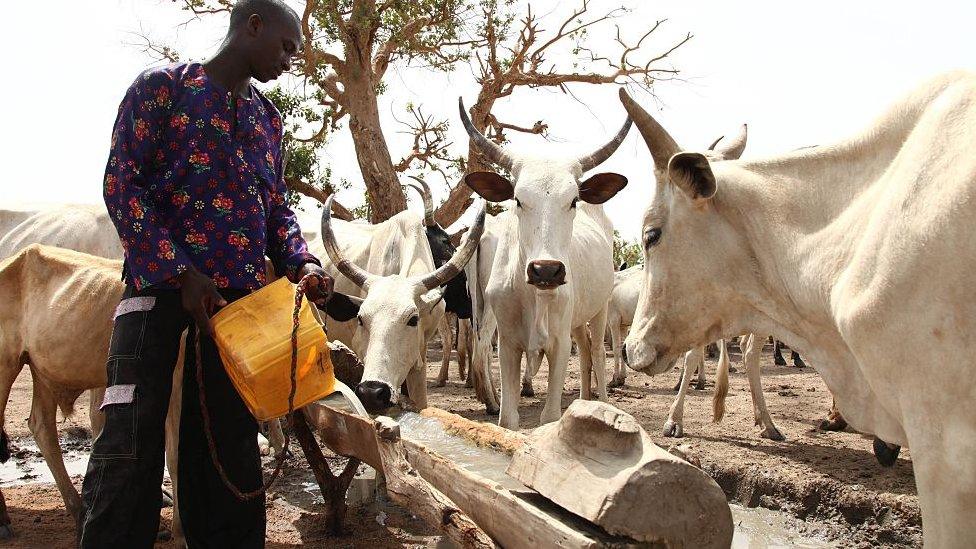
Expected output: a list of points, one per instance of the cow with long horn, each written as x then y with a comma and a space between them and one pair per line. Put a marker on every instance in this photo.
456, 298
401, 306
551, 270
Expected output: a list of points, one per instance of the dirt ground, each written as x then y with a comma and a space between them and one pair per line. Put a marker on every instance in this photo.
831, 480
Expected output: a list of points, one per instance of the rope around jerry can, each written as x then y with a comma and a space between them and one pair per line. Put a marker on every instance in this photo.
280, 460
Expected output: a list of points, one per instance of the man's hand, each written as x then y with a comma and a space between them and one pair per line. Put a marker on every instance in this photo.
320, 286
200, 298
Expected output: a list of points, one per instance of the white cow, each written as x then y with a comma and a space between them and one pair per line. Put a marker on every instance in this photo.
392, 266
553, 268
620, 313
48, 290
858, 254
751, 351
80, 227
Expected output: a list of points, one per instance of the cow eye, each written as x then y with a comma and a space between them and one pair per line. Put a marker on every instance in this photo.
360, 319
517, 203
412, 321
575, 200
652, 236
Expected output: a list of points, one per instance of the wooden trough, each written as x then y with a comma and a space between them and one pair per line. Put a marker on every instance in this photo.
592, 479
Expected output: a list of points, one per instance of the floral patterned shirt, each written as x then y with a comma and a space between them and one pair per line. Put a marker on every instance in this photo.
194, 178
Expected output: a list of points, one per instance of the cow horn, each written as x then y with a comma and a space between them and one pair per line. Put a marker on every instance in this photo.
712, 146
428, 201
732, 149
658, 140
353, 272
452, 268
492, 151
598, 156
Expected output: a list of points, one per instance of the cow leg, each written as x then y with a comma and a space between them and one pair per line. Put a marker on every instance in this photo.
558, 357
9, 370
616, 341
95, 416
464, 351
510, 363
445, 331
835, 420
945, 475
417, 386
595, 332
276, 436
43, 425
700, 383
778, 353
533, 361
586, 365
750, 356
673, 425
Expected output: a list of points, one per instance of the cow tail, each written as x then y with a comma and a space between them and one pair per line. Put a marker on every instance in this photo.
721, 383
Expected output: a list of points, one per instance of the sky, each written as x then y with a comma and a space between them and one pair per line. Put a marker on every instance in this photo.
799, 73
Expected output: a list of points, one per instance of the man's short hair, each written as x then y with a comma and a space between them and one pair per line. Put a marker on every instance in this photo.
269, 10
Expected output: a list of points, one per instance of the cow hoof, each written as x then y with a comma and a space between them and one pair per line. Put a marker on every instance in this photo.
616, 382
439, 383
772, 433
677, 386
491, 410
528, 391
468, 384
699, 385
838, 424
264, 446
6, 531
798, 363
672, 429
887, 455
164, 535
779, 361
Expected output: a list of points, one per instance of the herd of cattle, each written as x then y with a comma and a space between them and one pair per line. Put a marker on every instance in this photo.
855, 254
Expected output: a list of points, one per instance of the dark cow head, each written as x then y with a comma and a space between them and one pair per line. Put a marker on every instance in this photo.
456, 298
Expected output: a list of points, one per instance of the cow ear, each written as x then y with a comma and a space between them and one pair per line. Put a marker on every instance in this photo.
491, 186
342, 307
601, 187
430, 299
623, 266
692, 173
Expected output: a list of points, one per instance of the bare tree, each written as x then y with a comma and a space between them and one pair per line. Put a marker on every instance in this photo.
508, 60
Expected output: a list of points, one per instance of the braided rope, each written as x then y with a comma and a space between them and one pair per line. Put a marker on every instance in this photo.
280, 460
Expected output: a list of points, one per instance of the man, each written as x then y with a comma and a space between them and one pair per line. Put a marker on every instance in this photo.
194, 186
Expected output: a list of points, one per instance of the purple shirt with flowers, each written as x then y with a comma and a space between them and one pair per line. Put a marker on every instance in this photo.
194, 178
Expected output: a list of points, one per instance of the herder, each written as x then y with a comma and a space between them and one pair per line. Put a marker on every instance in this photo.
194, 185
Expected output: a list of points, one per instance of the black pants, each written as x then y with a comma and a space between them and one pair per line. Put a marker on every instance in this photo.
121, 494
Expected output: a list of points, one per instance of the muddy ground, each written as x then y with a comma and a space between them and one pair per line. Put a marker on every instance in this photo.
831, 480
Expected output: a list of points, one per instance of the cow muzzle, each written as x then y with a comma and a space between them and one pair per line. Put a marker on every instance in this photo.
546, 274
376, 396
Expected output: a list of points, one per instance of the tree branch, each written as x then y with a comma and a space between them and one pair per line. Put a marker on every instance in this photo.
321, 195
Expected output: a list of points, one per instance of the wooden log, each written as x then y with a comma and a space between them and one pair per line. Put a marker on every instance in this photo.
487, 435
406, 487
345, 434
520, 518
597, 462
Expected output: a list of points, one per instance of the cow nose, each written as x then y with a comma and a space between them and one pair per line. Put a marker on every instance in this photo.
546, 273
375, 395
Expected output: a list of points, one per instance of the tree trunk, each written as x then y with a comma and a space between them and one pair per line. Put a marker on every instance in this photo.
460, 198
382, 185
